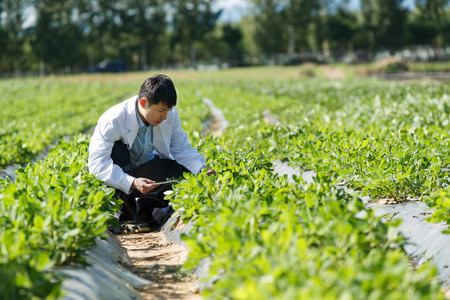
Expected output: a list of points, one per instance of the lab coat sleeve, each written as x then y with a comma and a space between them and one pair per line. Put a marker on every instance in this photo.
100, 163
182, 151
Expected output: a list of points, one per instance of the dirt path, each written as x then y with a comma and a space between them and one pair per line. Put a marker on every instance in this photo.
333, 72
158, 260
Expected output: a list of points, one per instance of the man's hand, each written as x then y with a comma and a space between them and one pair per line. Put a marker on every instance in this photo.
143, 185
210, 171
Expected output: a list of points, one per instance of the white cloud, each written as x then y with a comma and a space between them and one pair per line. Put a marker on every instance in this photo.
30, 17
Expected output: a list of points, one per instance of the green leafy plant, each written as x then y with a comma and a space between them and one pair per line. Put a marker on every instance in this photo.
440, 201
51, 214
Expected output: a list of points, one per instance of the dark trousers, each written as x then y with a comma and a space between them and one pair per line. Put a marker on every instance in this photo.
139, 207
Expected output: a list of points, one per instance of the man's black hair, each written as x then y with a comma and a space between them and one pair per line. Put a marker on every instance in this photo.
159, 88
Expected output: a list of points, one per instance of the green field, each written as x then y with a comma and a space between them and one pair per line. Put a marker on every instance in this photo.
267, 237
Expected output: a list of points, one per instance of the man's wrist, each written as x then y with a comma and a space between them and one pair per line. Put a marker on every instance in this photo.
132, 185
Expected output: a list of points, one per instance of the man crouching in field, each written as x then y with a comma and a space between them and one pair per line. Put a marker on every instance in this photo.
139, 142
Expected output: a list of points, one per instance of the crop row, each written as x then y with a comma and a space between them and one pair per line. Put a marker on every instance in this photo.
54, 209
36, 113
390, 140
269, 238
50, 215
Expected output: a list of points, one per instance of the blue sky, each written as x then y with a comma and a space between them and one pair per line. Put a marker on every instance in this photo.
234, 10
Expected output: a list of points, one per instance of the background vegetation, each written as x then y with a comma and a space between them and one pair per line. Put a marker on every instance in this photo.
75, 35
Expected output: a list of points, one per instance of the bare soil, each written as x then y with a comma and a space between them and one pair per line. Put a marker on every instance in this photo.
214, 125
333, 72
158, 260
392, 201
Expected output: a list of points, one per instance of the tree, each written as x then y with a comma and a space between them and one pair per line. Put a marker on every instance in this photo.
320, 18
341, 28
3, 36
144, 23
420, 31
56, 35
102, 26
11, 33
192, 21
299, 15
291, 25
384, 22
433, 18
270, 29
232, 36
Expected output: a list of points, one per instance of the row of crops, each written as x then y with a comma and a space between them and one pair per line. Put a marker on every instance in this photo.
271, 238
37, 113
53, 210
266, 236
387, 139
50, 215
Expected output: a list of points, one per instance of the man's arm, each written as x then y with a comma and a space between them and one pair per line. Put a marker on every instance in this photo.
182, 150
100, 163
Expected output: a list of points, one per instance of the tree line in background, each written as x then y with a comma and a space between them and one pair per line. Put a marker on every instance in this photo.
75, 35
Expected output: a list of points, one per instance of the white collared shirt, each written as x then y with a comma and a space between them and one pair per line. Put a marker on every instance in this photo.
120, 123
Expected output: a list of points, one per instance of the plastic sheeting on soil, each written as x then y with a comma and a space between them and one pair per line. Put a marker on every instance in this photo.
425, 240
216, 116
104, 278
175, 234
9, 172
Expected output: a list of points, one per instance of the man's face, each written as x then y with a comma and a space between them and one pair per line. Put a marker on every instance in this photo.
154, 114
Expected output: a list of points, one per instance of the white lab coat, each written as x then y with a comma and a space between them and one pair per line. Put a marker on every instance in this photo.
120, 123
